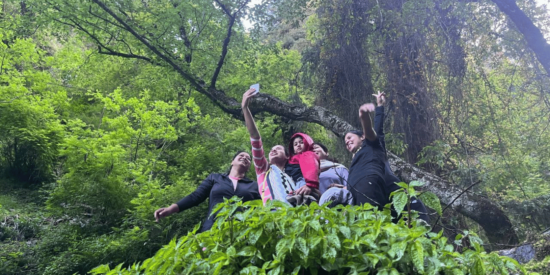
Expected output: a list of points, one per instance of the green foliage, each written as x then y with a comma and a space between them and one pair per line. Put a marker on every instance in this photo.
21, 226
542, 267
29, 129
395, 143
106, 163
401, 198
314, 239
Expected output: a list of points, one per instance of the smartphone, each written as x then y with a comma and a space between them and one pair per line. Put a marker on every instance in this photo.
257, 87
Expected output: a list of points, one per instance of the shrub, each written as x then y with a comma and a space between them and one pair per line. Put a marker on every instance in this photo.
277, 239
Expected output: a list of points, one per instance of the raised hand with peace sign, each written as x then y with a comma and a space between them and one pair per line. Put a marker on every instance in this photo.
380, 98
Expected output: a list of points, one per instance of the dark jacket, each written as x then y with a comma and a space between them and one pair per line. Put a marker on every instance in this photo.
217, 187
390, 178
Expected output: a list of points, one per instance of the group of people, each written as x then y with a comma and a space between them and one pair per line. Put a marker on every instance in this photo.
304, 172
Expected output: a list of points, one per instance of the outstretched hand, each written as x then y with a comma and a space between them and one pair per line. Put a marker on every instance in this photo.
366, 108
380, 98
162, 213
247, 96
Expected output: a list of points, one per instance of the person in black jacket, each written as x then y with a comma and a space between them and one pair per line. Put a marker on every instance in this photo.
217, 187
366, 173
390, 179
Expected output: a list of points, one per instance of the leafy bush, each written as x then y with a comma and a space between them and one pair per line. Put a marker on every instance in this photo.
314, 240
30, 131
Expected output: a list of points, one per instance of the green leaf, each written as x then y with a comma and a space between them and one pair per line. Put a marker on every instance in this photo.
282, 246
231, 251
417, 183
277, 270
403, 185
432, 201
399, 202
100, 269
345, 231
254, 203
478, 267
313, 242
249, 270
217, 257
247, 251
397, 250
417, 255
296, 270
255, 235
330, 254
315, 225
333, 240
302, 246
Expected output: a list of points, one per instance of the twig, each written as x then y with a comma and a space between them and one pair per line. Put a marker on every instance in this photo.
459, 195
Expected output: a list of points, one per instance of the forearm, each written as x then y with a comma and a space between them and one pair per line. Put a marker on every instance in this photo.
174, 208
366, 122
379, 121
250, 124
198, 196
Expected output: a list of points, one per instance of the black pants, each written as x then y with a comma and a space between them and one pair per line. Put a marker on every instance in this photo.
371, 190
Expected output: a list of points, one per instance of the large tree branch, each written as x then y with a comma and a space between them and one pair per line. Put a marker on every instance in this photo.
494, 221
102, 46
530, 32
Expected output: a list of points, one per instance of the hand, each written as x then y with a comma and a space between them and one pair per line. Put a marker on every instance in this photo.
304, 190
162, 212
380, 98
366, 108
247, 96
336, 185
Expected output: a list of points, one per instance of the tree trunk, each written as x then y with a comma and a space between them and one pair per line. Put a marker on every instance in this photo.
344, 63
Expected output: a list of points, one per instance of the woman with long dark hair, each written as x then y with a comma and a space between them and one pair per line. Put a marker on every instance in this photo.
218, 187
366, 173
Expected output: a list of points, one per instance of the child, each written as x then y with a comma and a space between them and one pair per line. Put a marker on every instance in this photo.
303, 167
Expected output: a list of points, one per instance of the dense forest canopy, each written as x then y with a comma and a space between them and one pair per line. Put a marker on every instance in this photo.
112, 109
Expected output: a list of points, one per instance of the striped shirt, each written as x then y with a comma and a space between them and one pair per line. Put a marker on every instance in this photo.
273, 184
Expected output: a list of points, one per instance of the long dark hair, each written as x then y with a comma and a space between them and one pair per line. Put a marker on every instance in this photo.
233, 158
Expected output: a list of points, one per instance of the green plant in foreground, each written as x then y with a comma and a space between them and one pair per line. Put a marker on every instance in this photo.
277, 239
402, 198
